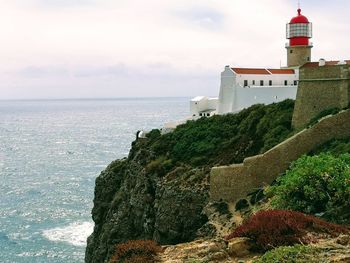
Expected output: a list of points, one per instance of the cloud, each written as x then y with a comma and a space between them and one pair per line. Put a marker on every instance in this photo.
205, 18
49, 43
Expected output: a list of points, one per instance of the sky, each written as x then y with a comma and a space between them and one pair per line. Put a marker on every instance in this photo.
155, 48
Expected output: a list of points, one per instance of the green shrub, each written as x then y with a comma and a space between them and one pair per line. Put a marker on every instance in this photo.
225, 139
159, 166
315, 184
335, 147
293, 254
324, 113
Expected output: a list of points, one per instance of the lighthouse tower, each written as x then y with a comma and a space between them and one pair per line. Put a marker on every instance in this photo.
299, 32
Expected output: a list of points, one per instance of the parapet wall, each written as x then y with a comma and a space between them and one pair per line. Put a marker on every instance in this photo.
230, 183
320, 88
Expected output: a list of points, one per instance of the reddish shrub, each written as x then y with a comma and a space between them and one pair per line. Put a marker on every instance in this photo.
136, 251
273, 228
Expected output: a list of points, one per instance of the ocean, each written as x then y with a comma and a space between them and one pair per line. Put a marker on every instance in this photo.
51, 151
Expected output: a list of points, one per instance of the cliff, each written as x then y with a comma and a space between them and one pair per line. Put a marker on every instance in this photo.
161, 190
132, 203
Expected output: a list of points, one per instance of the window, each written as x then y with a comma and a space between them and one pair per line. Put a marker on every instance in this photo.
308, 58
299, 30
270, 82
245, 83
261, 83
291, 51
295, 82
194, 115
208, 114
285, 83
200, 114
253, 82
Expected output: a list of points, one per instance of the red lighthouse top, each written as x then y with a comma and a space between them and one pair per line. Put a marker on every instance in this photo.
299, 18
299, 30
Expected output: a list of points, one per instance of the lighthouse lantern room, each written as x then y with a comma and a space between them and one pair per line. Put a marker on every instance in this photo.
299, 32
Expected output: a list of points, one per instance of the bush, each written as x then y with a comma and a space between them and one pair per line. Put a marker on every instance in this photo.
297, 253
324, 113
159, 166
335, 147
225, 139
136, 251
274, 228
316, 184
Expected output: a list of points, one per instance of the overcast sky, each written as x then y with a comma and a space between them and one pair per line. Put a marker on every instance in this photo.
127, 48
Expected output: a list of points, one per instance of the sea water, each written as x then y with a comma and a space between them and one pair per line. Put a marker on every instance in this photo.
50, 154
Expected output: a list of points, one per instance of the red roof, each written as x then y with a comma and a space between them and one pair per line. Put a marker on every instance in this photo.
299, 19
281, 71
328, 63
262, 71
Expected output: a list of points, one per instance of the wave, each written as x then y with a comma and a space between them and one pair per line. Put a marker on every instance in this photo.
75, 233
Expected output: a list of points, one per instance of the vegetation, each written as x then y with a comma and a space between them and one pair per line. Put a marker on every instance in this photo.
274, 228
324, 113
136, 251
315, 185
335, 147
224, 139
294, 254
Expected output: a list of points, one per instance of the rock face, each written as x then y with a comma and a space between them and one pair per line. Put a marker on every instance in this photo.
133, 201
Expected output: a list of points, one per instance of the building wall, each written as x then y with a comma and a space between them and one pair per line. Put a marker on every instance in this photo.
227, 92
200, 104
298, 55
230, 183
277, 79
320, 88
246, 97
234, 97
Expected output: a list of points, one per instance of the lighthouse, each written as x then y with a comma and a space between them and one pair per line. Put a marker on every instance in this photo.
299, 32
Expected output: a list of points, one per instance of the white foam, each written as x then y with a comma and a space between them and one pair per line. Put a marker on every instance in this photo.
75, 233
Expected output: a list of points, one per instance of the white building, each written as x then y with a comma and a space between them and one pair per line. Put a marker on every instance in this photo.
243, 87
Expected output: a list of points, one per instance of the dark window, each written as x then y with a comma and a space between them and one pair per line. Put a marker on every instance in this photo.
194, 115
270, 82
295, 82
208, 114
291, 51
285, 83
308, 58
261, 83
245, 83
200, 114
253, 82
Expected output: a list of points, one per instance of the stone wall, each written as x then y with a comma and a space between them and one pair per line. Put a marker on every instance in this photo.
230, 183
320, 88
298, 55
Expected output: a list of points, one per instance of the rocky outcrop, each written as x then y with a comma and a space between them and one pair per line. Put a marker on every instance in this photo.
134, 202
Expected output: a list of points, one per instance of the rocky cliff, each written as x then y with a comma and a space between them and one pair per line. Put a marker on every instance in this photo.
134, 203
160, 191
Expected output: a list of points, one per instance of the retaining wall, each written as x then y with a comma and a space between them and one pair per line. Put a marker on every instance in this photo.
230, 183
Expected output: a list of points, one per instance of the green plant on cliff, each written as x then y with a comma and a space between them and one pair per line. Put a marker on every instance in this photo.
225, 139
335, 147
291, 254
316, 185
324, 113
